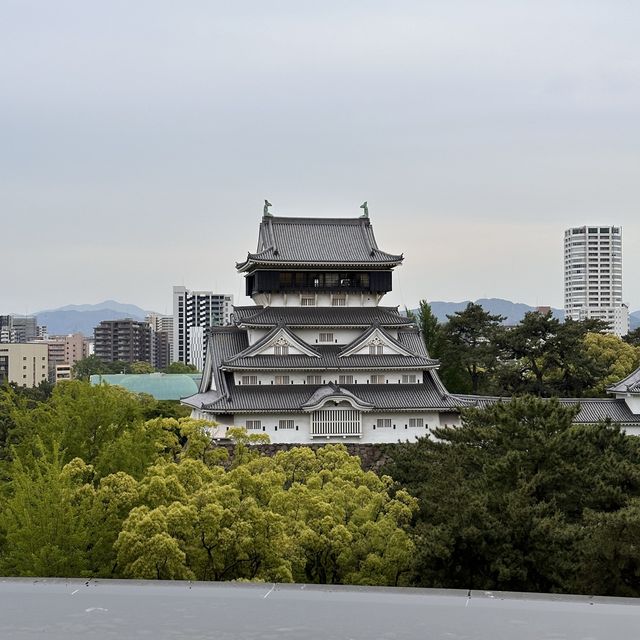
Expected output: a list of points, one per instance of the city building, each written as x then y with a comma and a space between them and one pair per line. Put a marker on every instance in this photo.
194, 312
161, 339
123, 340
317, 358
63, 352
593, 276
25, 327
26, 365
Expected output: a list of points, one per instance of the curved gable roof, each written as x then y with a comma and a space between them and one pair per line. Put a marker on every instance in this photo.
340, 241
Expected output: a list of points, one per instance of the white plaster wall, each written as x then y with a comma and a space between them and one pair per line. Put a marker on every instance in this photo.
633, 402
300, 377
401, 433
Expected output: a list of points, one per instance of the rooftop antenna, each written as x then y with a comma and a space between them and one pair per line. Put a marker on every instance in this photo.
265, 210
366, 209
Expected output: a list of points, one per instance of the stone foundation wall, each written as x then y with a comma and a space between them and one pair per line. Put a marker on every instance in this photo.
372, 456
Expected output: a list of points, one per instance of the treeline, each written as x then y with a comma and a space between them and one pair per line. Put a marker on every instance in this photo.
540, 356
94, 483
92, 365
92, 487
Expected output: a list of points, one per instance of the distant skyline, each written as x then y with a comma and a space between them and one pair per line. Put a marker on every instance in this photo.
140, 140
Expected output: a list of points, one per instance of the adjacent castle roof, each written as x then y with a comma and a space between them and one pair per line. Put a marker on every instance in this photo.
317, 241
630, 384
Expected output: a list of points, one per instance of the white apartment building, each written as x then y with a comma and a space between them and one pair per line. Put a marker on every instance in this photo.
194, 312
593, 276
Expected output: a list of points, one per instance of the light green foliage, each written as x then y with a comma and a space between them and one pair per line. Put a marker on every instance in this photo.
141, 367
180, 367
44, 521
617, 359
298, 516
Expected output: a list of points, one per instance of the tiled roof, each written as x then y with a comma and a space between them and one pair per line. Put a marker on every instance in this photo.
329, 359
311, 353
333, 391
592, 410
272, 398
630, 384
258, 316
318, 241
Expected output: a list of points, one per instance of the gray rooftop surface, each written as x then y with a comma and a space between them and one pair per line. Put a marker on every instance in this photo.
290, 398
328, 317
116, 610
339, 241
592, 410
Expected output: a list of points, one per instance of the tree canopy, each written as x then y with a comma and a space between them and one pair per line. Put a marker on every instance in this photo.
519, 498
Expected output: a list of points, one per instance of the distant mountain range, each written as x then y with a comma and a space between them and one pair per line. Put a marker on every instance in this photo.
83, 318
513, 311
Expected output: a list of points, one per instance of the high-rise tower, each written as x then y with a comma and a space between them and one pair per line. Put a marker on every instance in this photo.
593, 276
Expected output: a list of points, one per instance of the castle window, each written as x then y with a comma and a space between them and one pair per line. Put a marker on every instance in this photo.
345, 379
308, 301
408, 378
416, 422
376, 349
383, 423
377, 379
255, 425
339, 300
314, 379
326, 337
249, 379
282, 380
286, 424
281, 350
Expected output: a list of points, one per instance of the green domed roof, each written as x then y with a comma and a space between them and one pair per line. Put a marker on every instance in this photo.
162, 386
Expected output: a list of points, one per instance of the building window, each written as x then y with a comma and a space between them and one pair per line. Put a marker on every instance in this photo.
345, 379
255, 425
308, 301
336, 422
281, 350
249, 379
286, 424
376, 379
314, 379
282, 380
376, 349
326, 337
416, 422
408, 378
383, 423
339, 301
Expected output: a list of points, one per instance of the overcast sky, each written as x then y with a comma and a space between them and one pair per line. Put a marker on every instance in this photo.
138, 140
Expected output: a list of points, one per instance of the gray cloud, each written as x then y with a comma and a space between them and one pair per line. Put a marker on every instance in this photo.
140, 138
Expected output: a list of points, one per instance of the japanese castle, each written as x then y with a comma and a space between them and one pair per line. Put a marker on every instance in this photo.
317, 358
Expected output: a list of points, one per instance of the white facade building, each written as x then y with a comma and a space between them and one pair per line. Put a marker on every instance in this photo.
317, 359
593, 276
194, 312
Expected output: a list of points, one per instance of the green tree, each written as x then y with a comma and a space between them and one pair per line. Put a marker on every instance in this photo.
141, 367
615, 357
180, 367
44, 525
505, 498
545, 357
633, 338
430, 329
469, 352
